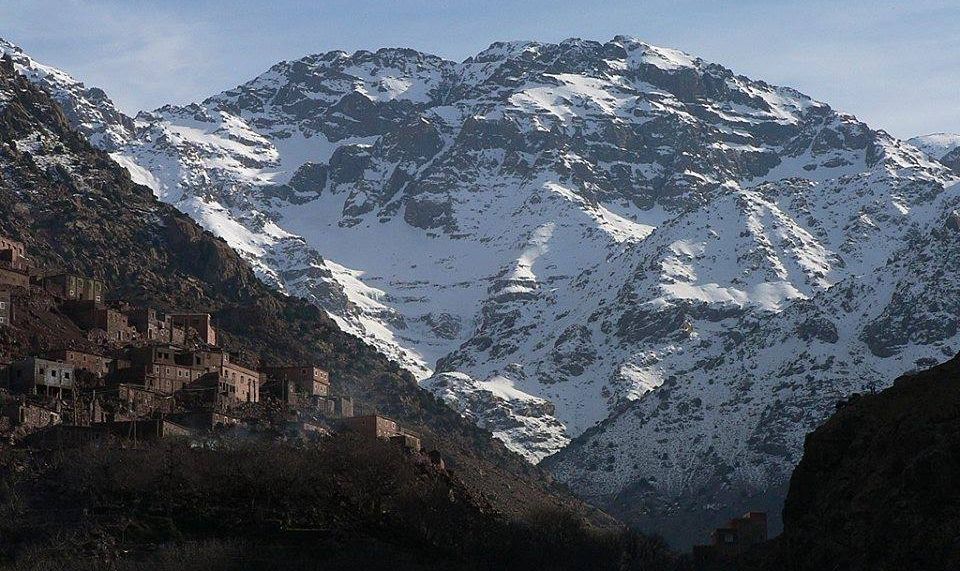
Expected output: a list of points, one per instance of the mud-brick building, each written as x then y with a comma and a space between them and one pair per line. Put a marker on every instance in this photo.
159, 368
16, 248
202, 323
34, 375
235, 382
96, 365
6, 308
13, 254
308, 379
11, 277
376, 426
143, 401
733, 539
92, 315
72, 287
153, 325
26, 417
372, 426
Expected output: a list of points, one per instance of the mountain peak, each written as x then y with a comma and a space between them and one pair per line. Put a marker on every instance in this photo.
89, 109
679, 267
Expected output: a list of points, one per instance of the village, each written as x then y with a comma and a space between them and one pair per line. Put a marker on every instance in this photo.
155, 375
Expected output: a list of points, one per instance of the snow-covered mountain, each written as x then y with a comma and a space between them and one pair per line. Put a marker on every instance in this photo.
942, 147
679, 268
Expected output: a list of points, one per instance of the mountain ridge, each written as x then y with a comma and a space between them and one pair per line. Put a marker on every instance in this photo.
574, 241
78, 210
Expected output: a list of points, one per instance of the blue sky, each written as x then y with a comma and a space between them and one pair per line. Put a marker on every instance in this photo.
893, 64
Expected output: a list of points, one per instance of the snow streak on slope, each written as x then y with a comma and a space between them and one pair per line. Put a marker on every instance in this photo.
678, 267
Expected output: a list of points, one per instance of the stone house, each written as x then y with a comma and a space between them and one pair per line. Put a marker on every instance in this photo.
153, 325
236, 383
310, 380
372, 426
92, 315
144, 430
17, 249
407, 440
202, 323
150, 429
377, 426
143, 401
27, 417
96, 365
34, 375
13, 255
342, 406
335, 406
205, 421
158, 368
168, 369
71, 287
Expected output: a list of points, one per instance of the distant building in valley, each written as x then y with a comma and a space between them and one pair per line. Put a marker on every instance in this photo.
381, 427
737, 536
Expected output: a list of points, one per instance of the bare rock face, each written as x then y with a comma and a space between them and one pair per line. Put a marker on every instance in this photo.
690, 266
876, 486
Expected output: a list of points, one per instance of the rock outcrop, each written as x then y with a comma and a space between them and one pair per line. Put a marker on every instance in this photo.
876, 488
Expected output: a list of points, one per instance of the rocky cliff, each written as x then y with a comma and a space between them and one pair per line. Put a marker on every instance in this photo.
876, 488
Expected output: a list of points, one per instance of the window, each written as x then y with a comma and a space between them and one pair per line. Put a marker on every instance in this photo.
3, 305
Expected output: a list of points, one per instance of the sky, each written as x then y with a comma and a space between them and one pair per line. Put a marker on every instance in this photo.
893, 64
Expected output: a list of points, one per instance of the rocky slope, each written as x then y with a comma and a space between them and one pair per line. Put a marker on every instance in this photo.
679, 268
76, 209
876, 486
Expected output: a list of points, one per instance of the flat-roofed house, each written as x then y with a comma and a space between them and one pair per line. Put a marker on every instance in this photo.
202, 323
90, 315
72, 287
96, 365
153, 325
308, 379
34, 375
13, 254
160, 368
